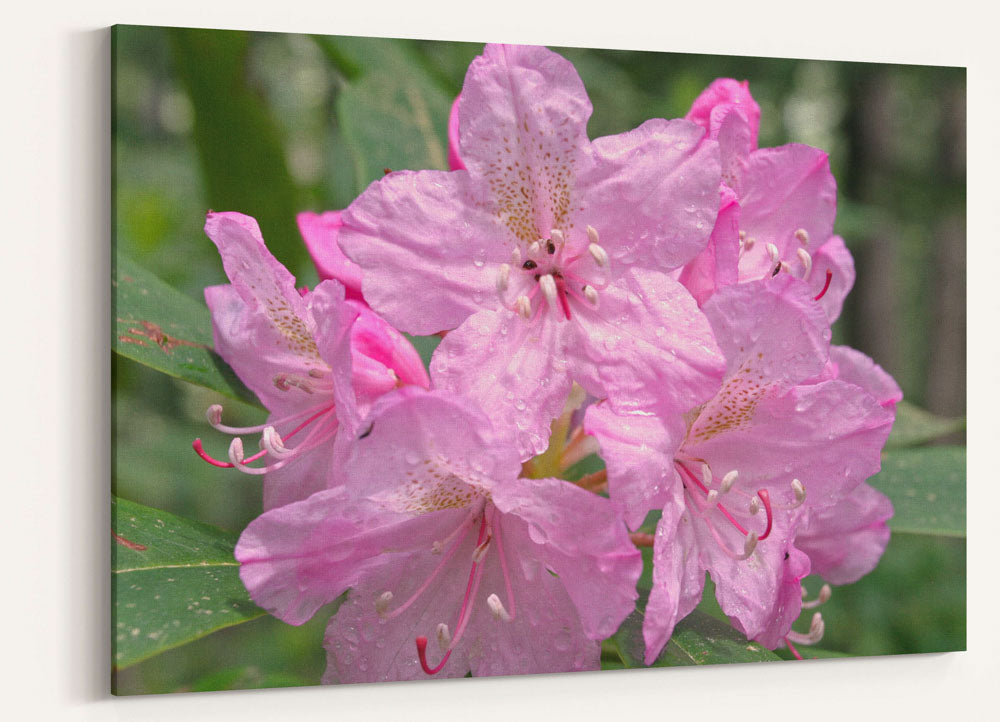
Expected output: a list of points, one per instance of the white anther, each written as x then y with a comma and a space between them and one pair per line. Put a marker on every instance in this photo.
706, 474
437, 547
743, 236
590, 293
799, 491
816, 629
443, 636
825, 593
548, 285
592, 235
750, 544
599, 255
749, 243
803, 236
503, 277
534, 248
785, 267
713, 497
728, 480
236, 451
480, 551
807, 262
754, 505
515, 256
214, 414
557, 236
772, 251
271, 442
496, 606
382, 603
523, 306
317, 373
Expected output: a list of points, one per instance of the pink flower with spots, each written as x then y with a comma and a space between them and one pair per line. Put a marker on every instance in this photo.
438, 539
738, 478
777, 210
549, 255
316, 360
319, 231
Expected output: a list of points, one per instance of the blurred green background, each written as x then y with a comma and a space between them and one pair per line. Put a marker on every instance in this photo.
272, 124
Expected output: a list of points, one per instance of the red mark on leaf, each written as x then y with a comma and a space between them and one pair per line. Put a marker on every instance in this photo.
155, 333
128, 544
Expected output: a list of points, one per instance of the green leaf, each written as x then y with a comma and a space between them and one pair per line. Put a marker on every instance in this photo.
246, 677
395, 115
160, 327
914, 426
239, 145
425, 346
927, 489
697, 639
173, 581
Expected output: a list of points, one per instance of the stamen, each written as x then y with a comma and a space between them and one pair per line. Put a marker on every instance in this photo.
534, 248
793, 650
754, 506
713, 497
772, 251
728, 480
749, 243
503, 278
422, 656
826, 286
271, 443
557, 236
807, 262
382, 604
236, 451
599, 255
750, 544
515, 256
523, 306
817, 628
799, 491
443, 636
783, 266
503, 565
214, 414
592, 235
548, 286
765, 497
590, 293
497, 608
743, 237
480, 551
200, 451
825, 593
802, 235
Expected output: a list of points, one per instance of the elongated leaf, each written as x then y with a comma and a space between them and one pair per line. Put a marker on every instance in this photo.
697, 639
160, 327
173, 581
239, 144
247, 677
927, 489
914, 426
425, 346
394, 115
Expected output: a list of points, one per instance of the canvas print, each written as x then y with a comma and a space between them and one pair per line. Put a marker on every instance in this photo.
462, 359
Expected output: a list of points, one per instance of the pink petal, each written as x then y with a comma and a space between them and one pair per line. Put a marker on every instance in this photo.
652, 194
785, 189
319, 231
737, 140
829, 436
678, 576
523, 124
582, 538
428, 247
454, 159
856, 368
257, 349
422, 445
717, 265
310, 473
514, 370
638, 450
725, 94
846, 540
298, 557
647, 340
833, 256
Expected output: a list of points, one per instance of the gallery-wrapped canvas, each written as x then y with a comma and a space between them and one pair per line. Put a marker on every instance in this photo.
442, 359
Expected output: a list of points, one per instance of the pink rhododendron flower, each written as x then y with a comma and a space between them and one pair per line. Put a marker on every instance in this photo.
752, 463
319, 231
316, 361
549, 256
785, 204
438, 538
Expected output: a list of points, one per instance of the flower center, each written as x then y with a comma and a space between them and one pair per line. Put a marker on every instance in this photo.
552, 272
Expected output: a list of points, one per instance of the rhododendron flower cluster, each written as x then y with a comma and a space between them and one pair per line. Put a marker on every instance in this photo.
662, 298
